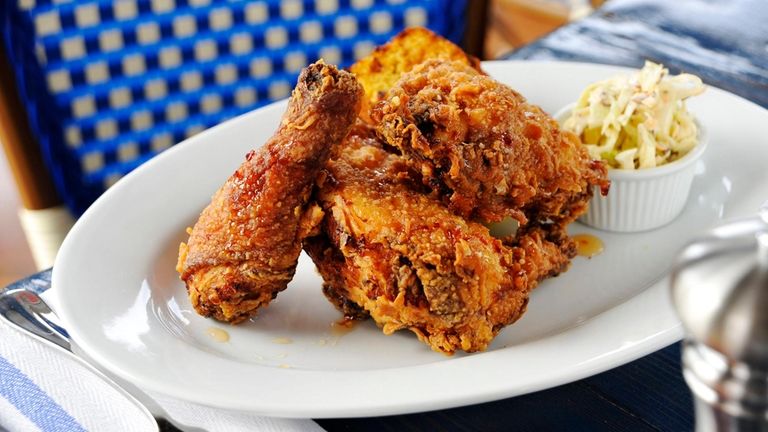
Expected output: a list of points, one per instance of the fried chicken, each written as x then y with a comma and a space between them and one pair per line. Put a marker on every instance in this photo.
244, 248
394, 215
390, 249
381, 69
486, 151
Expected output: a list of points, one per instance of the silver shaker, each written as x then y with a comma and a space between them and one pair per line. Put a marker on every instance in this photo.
720, 292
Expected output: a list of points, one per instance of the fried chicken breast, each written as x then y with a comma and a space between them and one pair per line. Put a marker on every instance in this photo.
486, 151
390, 249
244, 248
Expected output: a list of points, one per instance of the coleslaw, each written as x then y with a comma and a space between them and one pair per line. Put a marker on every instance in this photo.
639, 120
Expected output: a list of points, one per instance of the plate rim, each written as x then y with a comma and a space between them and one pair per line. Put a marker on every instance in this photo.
668, 329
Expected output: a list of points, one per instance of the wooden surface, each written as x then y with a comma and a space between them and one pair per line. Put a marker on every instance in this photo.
31, 176
15, 257
514, 23
474, 34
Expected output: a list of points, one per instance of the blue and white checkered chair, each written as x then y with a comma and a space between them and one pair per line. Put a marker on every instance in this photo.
106, 85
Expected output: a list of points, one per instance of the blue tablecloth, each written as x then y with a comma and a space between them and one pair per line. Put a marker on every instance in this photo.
726, 43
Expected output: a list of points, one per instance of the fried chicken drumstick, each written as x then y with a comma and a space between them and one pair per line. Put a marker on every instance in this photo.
390, 250
486, 151
244, 248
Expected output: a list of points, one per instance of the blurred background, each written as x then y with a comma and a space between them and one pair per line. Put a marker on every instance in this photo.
93, 88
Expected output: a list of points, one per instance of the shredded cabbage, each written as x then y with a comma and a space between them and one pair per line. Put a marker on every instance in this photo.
639, 120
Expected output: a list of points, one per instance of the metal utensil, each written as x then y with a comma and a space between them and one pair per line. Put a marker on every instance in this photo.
720, 291
26, 311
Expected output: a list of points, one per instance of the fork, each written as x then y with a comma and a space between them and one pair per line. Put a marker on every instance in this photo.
26, 311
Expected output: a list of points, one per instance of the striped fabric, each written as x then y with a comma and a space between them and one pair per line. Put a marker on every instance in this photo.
36, 408
109, 84
43, 390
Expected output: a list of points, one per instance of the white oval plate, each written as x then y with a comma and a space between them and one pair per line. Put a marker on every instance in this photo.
122, 301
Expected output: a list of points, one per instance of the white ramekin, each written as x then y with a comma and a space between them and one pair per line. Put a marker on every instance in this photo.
641, 200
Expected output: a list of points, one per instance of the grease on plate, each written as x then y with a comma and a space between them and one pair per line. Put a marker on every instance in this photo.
219, 335
343, 326
588, 245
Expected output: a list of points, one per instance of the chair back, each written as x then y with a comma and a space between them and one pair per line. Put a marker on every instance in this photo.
107, 85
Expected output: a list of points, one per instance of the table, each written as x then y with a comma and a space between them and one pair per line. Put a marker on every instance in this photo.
726, 44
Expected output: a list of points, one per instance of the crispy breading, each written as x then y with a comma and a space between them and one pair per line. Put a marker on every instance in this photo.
484, 148
393, 215
244, 247
381, 69
390, 250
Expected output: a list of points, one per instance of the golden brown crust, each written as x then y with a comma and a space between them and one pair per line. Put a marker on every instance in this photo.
391, 251
487, 151
394, 224
381, 69
243, 249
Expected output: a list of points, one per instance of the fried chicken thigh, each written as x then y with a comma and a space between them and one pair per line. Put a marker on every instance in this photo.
484, 149
390, 249
244, 248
